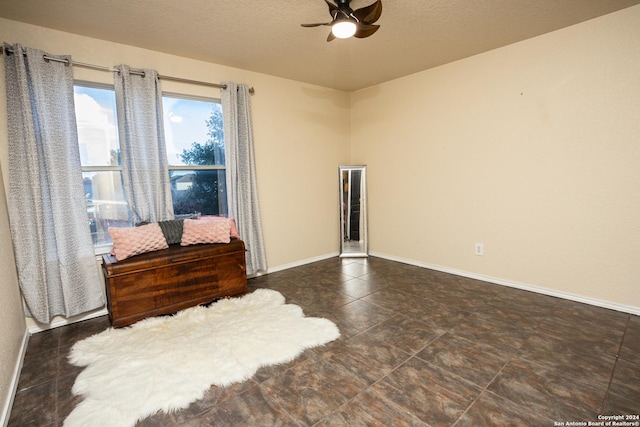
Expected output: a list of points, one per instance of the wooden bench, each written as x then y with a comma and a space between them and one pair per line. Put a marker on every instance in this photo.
169, 280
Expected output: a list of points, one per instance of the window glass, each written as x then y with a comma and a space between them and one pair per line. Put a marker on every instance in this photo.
193, 131
198, 191
97, 128
106, 205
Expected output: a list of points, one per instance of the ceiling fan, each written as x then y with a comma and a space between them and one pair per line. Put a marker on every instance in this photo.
347, 22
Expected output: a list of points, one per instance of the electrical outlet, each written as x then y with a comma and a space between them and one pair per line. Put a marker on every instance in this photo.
479, 249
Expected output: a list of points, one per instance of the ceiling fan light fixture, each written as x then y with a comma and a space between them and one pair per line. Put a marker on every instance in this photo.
343, 29
346, 22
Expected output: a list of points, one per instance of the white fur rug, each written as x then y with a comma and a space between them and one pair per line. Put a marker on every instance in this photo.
166, 363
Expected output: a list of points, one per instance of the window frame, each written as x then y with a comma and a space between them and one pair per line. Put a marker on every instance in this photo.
194, 98
101, 248
213, 168
107, 86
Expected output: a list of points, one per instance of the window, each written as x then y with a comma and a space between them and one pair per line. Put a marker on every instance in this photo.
100, 159
195, 153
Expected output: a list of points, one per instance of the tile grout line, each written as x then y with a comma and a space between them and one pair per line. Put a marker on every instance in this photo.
615, 364
486, 388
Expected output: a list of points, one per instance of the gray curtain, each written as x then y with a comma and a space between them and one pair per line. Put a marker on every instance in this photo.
142, 144
242, 192
56, 263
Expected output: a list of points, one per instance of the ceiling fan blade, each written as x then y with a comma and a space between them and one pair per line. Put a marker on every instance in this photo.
365, 30
369, 14
315, 25
332, 8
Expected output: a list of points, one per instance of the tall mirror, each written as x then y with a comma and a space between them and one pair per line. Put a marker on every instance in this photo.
353, 211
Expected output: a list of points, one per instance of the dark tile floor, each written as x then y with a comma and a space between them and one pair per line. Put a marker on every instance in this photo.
418, 347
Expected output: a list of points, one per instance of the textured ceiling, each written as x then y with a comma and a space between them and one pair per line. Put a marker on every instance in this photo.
265, 35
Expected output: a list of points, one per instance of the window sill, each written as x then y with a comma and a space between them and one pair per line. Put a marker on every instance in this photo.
102, 249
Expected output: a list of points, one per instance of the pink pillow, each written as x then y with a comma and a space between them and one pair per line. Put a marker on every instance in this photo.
132, 241
234, 230
197, 231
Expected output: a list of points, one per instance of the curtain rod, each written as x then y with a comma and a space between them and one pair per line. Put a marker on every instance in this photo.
139, 73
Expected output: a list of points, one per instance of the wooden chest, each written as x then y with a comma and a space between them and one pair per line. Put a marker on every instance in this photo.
169, 280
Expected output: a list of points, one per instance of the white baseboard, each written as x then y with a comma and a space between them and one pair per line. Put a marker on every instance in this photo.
302, 262
13, 387
518, 285
34, 328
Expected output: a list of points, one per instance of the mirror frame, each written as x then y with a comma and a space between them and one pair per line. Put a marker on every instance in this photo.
363, 232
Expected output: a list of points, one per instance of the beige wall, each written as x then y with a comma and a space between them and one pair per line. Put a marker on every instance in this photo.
12, 324
532, 149
301, 135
